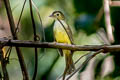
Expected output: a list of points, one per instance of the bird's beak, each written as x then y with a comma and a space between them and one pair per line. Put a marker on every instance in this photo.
51, 15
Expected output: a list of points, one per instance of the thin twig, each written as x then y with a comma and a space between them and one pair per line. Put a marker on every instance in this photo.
43, 32
17, 28
41, 25
12, 27
85, 62
35, 39
81, 57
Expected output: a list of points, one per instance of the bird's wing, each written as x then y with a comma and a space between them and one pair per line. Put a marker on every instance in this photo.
70, 33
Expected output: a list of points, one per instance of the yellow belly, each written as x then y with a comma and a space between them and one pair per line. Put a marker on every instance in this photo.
62, 37
60, 34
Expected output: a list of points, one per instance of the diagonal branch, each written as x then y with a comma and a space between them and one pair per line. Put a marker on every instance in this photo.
17, 28
12, 27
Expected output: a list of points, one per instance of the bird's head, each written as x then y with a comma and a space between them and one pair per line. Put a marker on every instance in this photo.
57, 15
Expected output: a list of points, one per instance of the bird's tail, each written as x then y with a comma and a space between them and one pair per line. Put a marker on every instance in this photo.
69, 63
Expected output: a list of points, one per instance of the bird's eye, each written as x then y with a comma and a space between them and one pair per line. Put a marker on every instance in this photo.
57, 14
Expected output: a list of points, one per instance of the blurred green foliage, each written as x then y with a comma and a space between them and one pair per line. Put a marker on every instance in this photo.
80, 15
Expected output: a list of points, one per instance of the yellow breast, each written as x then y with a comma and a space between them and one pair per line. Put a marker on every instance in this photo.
60, 33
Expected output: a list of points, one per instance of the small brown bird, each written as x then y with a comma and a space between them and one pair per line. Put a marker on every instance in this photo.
63, 34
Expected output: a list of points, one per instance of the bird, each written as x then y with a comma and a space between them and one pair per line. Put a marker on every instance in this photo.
63, 34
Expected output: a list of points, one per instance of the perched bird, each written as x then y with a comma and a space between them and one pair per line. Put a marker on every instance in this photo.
63, 34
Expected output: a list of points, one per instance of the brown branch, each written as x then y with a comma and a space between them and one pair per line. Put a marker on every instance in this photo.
32, 44
108, 21
115, 3
12, 27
